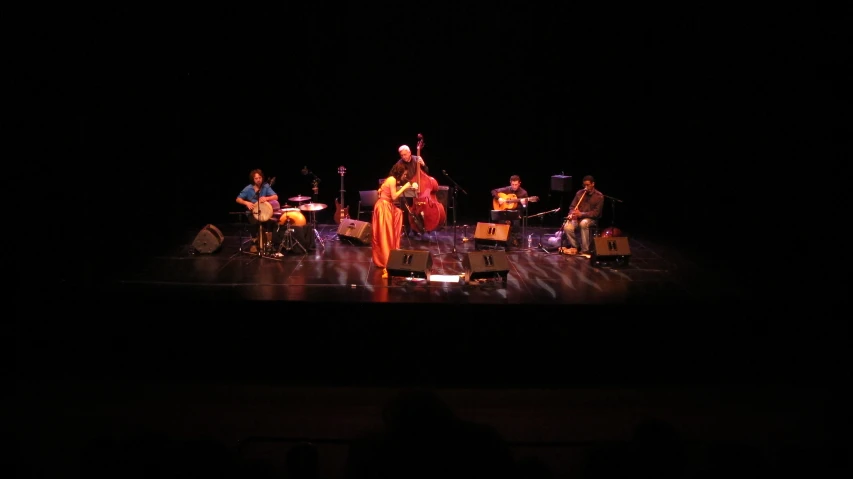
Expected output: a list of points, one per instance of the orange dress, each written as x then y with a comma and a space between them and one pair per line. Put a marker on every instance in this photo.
387, 227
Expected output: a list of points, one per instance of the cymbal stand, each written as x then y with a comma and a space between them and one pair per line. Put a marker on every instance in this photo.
289, 242
314, 228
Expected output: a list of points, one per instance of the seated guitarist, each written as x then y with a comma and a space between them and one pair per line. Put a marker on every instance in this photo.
513, 191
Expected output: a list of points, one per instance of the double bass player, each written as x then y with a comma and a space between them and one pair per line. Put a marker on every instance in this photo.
410, 164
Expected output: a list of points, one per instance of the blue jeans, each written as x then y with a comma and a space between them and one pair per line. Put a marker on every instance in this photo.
572, 226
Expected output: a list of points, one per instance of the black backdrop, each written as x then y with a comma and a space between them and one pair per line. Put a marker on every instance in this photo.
158, 117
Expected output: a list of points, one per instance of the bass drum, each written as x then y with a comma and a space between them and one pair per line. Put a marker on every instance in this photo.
294, 215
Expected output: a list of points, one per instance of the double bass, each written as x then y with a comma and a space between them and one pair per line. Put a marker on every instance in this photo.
426, 204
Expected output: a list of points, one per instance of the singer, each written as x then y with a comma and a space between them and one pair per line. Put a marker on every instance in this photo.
584, 211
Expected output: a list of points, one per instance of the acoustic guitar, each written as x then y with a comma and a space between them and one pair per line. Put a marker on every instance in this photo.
510, 201
341, 211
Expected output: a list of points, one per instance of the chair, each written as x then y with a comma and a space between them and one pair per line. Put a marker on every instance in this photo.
366, 202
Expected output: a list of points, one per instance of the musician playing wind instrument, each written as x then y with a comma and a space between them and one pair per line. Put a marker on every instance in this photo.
584, 211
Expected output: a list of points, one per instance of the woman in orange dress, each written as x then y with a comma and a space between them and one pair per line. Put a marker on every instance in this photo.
388, 218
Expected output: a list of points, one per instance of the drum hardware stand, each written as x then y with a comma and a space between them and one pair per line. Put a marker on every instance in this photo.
289, 242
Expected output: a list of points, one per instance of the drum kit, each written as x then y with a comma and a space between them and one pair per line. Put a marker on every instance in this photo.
312, 208
287, 217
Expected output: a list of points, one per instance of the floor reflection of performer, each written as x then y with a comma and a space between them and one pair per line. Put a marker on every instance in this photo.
388, 217
253, 196
409, 163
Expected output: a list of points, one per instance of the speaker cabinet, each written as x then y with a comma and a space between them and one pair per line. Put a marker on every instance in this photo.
208, 240
491, 235
561, 183
360, 231
486, 265
443, 195
410, 264
611, 250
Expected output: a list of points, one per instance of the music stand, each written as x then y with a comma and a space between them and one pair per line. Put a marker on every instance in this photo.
504, 216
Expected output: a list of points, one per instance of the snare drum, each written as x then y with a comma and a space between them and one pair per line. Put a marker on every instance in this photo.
294, 215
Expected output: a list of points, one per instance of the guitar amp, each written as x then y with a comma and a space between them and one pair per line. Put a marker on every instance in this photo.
561, 183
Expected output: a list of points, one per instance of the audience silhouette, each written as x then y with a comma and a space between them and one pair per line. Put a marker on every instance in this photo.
422, 437
303, 462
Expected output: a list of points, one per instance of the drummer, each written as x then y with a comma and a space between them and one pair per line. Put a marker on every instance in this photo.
258, 191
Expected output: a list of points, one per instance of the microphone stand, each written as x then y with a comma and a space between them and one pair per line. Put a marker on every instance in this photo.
613, 202
456, 188
260, 223
539, 243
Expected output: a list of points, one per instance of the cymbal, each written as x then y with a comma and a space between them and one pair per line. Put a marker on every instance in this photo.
300, 198
313, 207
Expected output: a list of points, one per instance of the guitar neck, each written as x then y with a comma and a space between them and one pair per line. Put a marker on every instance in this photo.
532, 199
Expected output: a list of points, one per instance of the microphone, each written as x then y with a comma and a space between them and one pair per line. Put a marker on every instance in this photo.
305, 170
445, 172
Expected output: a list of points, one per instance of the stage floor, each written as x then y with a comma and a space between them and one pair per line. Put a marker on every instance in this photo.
341, 271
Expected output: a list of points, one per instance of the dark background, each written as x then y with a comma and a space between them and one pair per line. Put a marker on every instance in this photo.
688, 116
713, 124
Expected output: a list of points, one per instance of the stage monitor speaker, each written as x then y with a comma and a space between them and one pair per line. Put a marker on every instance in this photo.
409, 263
208, 240
360, 231
561, 183
486, 265
443, 195
611, 250
491, 234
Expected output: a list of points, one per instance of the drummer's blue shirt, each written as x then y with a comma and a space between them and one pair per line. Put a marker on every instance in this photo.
248, 192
